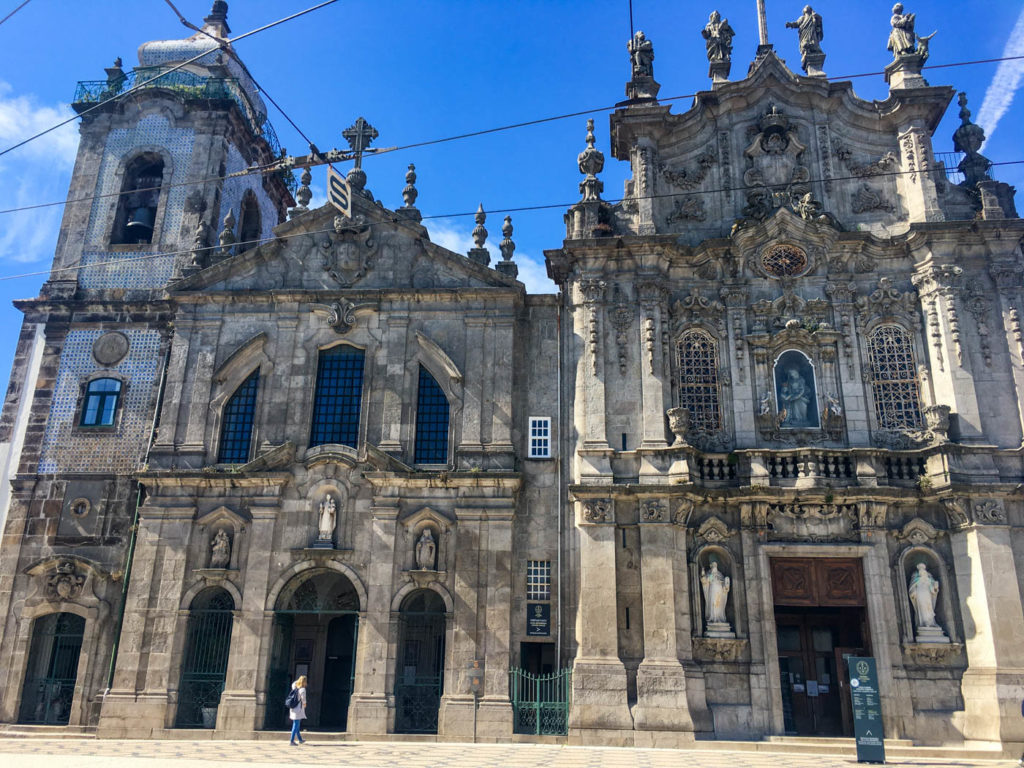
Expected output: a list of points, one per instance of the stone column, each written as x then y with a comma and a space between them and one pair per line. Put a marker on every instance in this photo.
734, 352
663, 700
238, 711
916, 184
653, 366
990, 605
1008, 278
394, 382
502, 341
375, 651
197, 386
593, 457
599, 713
952, 382
138, 704
471, 444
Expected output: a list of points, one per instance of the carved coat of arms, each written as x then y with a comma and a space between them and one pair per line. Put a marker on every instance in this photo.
347, 253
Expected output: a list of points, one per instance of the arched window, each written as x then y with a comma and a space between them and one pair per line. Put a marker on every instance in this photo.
236, 433
894, 378
102, 397
697, 366
140, 193
431, 422
339, 394
248, 223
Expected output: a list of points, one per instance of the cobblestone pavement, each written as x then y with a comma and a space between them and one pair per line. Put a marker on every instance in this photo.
93, 753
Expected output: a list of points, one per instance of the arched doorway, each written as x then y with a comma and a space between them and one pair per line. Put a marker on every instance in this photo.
52, 669
419, 673
316, 622
205, 663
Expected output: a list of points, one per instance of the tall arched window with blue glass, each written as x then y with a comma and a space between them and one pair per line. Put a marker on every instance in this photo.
338, 397
432, 413
795, 391
239, 412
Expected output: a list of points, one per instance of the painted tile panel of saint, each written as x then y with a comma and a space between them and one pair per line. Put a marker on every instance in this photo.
795, 391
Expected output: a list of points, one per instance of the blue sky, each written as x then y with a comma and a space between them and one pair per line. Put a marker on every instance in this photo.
427, 69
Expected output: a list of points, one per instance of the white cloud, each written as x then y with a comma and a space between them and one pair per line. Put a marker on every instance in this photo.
35, 173
1003, 88
457, 236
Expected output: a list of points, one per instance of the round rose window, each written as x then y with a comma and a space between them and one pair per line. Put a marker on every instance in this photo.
783, 260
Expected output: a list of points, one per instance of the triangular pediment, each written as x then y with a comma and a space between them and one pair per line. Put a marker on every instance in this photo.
377, 249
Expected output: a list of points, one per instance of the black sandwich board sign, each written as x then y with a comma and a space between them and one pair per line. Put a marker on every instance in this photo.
867, 709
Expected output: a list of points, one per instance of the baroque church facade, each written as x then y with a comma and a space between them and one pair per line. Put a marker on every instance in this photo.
771, 420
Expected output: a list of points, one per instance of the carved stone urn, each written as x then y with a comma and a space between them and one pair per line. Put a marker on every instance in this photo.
936, 419
679, 423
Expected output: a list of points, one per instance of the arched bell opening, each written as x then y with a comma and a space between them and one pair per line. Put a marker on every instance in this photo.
419, 677
316, 624
52, 670
140, 197
205, 663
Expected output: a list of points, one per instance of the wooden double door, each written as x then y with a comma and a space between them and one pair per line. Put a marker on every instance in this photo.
820, 620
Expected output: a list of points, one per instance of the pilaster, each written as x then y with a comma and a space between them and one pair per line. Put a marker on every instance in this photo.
395, 355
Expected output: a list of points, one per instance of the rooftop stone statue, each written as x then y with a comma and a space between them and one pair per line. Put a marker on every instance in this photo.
718, 37
812, 58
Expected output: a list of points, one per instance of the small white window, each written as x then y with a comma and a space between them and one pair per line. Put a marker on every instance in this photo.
538, 579
540, 437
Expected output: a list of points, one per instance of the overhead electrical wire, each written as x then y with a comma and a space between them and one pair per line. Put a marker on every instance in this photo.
5, 18
261, 169
518, 209
166, 72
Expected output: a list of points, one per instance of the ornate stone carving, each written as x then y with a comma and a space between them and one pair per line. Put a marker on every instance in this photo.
936, 421
641, 56
989, 511
597, 511
220, 549
813, 522
775, 170
110, 348
886, 301
725, 159
957, 512
65, 583
340, 315
654, 510
918, 532
683, 512
714, 531
884, 165
932, 655
679, 423
978, 304
809, 25
690, 178
695, 308
866, 199
690, 208
718, 37
348, 251
591, 163
593, 293
621, 315
721, 650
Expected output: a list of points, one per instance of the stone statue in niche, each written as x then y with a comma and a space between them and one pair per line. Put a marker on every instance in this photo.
426, 551
924, 594
716, 586
328, 517
794, 391
220, 550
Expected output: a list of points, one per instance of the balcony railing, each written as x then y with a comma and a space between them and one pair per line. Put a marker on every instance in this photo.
189, 85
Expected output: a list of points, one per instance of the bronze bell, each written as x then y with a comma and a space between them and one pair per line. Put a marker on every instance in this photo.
139, 228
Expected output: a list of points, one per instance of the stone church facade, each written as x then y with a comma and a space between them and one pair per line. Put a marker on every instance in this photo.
771, 420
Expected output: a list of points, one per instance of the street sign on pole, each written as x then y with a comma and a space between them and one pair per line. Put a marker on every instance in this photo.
339, 192
867, 709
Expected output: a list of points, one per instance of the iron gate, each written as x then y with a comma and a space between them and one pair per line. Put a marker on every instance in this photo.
205, 665
540, 703
419, 679
52, 669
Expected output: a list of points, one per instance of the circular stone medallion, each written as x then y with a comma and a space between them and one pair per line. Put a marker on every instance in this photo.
783, 260
110, 348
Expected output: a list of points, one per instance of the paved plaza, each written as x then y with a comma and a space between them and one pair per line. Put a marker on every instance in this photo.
91, 753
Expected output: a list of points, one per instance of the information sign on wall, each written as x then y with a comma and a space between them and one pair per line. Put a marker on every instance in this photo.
538, 619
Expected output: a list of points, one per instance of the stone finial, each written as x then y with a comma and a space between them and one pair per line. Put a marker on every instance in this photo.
359, 136
969, 138
591, 163
303, 194
506, 266
227, 235
410, 193
480, 254
200, 242
218, 16
718, 37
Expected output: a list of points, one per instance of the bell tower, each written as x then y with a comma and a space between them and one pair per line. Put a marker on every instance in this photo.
156, 144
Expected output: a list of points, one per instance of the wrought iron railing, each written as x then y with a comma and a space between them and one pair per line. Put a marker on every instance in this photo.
186, 84
540, 703
417, 701
47, 700
952, 161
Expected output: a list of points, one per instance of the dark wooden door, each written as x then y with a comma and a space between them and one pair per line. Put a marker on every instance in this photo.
811, 645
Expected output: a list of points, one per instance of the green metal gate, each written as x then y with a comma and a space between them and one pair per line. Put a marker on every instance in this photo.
540, 703
52, 669
205, 664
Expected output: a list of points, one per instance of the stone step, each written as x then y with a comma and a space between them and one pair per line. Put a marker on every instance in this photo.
894, 748
18, 731
832, 741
